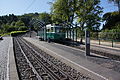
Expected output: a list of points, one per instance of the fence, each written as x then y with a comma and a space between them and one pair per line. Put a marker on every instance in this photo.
99, 38
106, 38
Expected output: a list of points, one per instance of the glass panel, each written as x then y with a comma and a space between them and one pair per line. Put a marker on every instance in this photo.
51, 29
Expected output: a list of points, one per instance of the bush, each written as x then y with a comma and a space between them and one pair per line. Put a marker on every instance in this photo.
16, 33
94, 35
113, 34
10, 29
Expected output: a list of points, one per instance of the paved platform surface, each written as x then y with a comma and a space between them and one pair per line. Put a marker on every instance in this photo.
104, 43
7, 62
96, 66
104, 47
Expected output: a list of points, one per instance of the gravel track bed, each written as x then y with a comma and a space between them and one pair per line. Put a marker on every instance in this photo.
48, 67
23, 67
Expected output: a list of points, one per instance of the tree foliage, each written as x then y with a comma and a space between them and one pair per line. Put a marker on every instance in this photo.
112, 20
113, 34
88, 13
12, 22
63, 11
45, 17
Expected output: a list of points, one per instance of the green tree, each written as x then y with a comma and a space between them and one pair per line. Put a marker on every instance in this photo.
59, 9
25, 20
5, 27
11, 28
112, 20
45, 17
88, 15
0, 24
63, 11
19, 25
12, 18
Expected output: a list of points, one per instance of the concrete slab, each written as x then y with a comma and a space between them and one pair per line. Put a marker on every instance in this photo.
77, 59
7, 62
13, 75
4, 45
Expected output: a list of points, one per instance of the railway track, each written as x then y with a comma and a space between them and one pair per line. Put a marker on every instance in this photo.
34, 64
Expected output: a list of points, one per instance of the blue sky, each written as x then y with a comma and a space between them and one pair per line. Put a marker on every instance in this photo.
19, 7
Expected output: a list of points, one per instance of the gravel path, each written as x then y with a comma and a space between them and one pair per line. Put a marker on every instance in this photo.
4, 45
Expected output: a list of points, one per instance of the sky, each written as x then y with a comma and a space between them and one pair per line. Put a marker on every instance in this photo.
19, 7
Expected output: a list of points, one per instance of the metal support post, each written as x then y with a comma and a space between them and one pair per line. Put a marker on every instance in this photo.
112, 43
76, 35
30, 32
99, 41
42, 34
73, 36
87, 42
45, 33
70, 33
67, 33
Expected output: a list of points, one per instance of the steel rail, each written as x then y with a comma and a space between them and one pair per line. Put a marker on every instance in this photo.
67, 76
55, 77
34, 70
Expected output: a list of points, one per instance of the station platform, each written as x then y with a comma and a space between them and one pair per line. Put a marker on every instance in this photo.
105, 49
7, 61
96, 66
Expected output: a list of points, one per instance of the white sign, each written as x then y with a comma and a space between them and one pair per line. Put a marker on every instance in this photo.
88, 40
